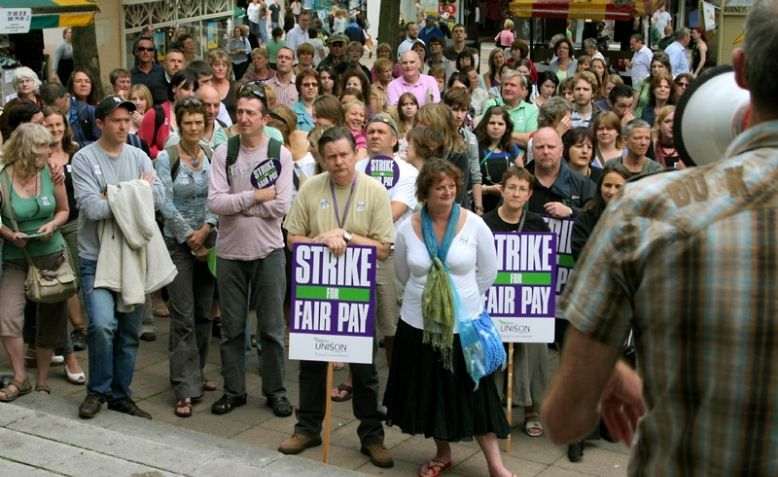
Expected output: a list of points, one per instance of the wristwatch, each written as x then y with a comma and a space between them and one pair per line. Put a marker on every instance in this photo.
347, 236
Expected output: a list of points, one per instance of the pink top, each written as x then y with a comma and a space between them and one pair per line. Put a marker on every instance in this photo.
360, 139
248, 230
505, 38
425, 89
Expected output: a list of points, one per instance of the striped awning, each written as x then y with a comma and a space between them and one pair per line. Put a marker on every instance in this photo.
56, 13
583, 9
573, 9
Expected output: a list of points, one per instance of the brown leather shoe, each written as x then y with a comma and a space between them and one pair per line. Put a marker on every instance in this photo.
298, 443
379, 455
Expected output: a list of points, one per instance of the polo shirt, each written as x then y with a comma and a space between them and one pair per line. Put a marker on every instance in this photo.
425, 89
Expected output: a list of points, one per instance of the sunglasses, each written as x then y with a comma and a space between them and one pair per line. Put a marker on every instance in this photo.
146, 48
191, 101
255, 89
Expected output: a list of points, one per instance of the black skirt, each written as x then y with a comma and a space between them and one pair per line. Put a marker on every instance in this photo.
422, 397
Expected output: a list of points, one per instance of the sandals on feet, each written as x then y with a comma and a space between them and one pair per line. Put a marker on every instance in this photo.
342, 393
433, 468
14, 390
533, 427
184, 408
42, 388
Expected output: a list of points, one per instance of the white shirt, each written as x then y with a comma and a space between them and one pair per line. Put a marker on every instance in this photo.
404, 189
472, 263
296, 37
660, 19
679, 63
641, 66
252, 11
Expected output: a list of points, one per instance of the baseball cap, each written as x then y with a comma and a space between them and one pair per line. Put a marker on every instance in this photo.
337, 37
387, 119
110, 103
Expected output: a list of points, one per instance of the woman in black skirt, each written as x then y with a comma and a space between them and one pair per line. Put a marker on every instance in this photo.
429, 390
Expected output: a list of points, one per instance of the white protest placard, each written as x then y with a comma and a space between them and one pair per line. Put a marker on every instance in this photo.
522, 300
15, 20
333, 304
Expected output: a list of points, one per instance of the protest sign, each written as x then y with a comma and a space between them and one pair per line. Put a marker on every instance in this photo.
563, 229
333, 304
521, 301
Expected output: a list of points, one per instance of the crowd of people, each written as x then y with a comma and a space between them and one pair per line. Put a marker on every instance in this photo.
476, 152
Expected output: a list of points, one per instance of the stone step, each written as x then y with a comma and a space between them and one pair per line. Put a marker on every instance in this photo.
43, 435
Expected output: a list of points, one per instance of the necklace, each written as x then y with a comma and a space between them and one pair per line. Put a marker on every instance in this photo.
194, 157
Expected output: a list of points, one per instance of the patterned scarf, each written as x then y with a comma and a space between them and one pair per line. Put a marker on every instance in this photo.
437, 308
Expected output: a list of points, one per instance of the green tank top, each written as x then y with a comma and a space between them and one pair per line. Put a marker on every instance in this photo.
31, 213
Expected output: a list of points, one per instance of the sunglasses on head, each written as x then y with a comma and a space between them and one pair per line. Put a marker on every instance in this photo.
255, 89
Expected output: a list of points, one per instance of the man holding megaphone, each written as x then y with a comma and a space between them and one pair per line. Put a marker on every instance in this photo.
689, 261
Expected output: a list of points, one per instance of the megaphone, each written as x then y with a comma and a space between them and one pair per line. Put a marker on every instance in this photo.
709, 115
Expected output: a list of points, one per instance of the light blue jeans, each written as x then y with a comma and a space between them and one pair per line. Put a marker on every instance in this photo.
112, 339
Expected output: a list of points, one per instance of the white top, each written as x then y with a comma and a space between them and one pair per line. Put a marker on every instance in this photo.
404, 190
660, 19
252, 11
472, 263
296, 37
641, 66
679, 63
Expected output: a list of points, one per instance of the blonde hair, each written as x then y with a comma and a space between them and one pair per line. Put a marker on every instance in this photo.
143, 91
664, 111
439, 116
508, 25
19, 150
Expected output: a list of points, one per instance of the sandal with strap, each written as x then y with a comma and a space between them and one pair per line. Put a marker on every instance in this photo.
15, 389
184, 408
342, 393
533, 427
42, 388
433, 468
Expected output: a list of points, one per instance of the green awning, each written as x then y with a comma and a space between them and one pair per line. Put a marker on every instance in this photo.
56, 13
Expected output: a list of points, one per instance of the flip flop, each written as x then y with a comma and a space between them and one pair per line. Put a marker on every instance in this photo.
533, 427
342, 393
183, 408
433, 468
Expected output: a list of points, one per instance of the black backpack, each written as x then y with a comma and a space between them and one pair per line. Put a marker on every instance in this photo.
233, 147
172, 154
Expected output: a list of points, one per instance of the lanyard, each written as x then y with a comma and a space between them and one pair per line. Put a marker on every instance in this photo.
348, 202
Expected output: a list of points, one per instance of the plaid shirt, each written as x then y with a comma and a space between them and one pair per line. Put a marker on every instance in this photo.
690, 261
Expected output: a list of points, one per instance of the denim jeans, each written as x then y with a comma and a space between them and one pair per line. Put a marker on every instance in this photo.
112, 339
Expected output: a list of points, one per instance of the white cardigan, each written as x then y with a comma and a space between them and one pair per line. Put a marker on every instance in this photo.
133, 259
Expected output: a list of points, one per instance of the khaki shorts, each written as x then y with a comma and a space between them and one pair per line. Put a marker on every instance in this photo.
51, 318
387, 309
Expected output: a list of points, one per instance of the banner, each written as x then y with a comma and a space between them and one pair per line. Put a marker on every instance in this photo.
15, 20
522, 299
333, 304
563, 229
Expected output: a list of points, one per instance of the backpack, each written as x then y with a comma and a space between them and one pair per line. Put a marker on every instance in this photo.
172, 154
233, 147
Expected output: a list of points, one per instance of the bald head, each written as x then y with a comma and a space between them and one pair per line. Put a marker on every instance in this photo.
210, 98
411, 66
547, 150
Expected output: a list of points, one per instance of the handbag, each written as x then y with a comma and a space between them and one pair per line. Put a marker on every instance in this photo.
481, 344
42, 285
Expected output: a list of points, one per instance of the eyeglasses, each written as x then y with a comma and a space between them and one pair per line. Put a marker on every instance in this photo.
146, 48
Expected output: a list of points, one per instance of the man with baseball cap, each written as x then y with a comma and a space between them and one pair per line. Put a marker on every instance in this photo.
399, 179
112, 335
337, 55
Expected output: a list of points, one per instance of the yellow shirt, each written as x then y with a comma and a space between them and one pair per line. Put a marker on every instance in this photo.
369, 214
